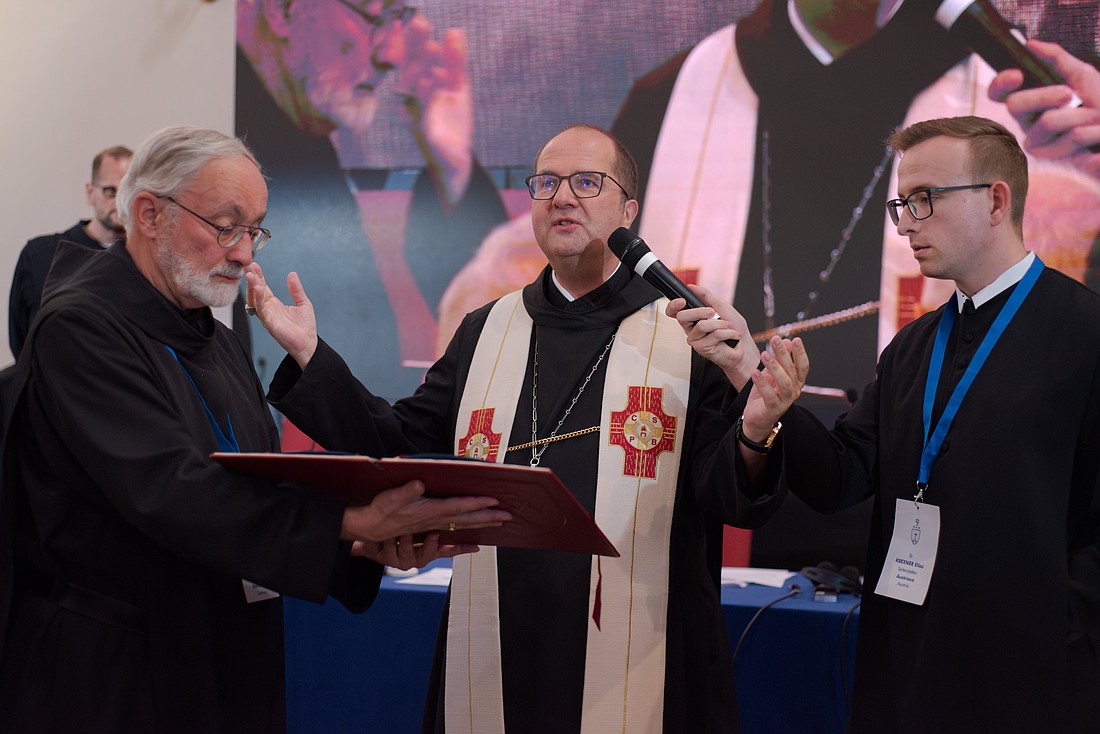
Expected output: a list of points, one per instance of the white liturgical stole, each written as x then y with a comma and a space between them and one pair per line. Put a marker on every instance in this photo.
643, 415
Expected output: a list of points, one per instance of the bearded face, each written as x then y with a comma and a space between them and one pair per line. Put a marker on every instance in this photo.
215, 286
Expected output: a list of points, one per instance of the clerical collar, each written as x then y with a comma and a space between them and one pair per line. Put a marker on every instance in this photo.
886, 11
1004, 281
569, 296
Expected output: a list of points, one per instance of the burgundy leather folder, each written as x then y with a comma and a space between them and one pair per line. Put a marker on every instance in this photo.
545, 514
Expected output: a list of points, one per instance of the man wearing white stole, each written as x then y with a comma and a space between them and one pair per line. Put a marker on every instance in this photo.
580, 372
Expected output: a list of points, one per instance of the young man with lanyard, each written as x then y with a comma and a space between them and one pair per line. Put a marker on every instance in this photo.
582, 373
978, 440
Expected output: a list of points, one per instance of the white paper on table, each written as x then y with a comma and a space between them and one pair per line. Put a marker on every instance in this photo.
774, 577
431, 577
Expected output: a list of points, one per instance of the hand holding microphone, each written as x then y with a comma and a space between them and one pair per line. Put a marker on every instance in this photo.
636, 255
985, 32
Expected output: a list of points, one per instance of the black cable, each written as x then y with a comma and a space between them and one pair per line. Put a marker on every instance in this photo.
795, 590
843, 656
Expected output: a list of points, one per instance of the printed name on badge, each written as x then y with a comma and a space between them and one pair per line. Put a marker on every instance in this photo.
912, 555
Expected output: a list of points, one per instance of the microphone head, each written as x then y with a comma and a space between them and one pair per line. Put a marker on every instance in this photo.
950, 10
979, 25
627, 246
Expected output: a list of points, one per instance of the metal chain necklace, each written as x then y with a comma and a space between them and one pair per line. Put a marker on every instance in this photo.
834, 255
538, 445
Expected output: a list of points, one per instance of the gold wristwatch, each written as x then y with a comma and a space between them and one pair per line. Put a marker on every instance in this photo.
760, 448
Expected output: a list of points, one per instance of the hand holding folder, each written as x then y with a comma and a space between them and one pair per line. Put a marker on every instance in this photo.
545, 514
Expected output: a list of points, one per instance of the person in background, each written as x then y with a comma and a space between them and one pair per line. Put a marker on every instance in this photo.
140, 580
104, 227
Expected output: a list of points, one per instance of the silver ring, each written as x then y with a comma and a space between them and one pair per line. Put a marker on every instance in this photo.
250, 310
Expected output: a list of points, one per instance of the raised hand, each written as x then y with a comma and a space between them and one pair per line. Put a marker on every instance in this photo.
293, 327
776, 386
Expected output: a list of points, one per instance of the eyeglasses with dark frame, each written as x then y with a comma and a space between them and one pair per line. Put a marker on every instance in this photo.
583, 184
919, 202
108, 191
231, 234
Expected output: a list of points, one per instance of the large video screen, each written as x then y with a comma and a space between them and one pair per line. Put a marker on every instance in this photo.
396, 136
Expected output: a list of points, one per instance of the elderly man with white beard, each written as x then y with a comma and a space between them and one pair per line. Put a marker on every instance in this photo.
140, 580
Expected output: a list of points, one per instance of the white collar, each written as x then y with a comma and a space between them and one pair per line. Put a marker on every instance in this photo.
569, 296
1004, 281
886, 11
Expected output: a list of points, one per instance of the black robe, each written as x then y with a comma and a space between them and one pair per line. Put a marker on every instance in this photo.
544, 595
1008, 638
29, 279
123, 546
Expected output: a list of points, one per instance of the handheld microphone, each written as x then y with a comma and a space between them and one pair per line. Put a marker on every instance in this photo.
985, 32
636, 255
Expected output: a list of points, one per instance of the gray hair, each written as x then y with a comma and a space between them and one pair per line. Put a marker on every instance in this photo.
168, 160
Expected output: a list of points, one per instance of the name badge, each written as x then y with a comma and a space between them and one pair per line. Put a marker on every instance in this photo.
912, 554
254, 592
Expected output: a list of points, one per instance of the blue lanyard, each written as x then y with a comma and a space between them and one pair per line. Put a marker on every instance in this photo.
933, 440
224, 443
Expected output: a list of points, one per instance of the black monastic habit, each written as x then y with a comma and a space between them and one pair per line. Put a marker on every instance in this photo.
122, 545
29, 278
544, 595
1008, 638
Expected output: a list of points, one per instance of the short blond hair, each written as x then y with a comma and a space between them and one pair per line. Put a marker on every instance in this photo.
995, 154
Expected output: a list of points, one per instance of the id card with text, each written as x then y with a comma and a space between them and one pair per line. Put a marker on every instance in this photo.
912, 554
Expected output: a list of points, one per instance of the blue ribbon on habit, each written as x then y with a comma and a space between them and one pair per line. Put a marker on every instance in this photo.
225, 443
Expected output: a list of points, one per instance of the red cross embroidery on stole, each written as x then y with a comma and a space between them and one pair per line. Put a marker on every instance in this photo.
480, 441
643, 430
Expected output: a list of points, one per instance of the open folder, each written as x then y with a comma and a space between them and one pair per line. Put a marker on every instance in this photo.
545, 514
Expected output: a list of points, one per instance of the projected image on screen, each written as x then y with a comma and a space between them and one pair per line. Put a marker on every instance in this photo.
426, 117
396, 137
